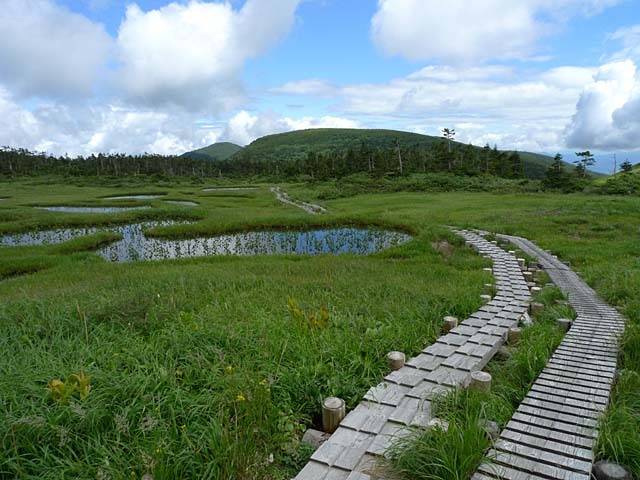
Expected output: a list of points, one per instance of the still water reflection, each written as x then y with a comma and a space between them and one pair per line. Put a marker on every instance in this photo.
91, 209
136, 246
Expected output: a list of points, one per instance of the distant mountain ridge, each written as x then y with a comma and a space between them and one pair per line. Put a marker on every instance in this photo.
216, 151
297, 145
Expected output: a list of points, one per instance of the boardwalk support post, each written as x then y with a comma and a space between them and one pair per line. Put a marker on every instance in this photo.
333, 411
449, 323
564, 324
513, 335
396, 360
480, 381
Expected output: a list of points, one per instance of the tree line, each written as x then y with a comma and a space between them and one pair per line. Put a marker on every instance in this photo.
19, 161
444, 156
385, 161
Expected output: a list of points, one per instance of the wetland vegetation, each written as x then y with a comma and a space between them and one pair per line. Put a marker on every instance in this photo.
199, 368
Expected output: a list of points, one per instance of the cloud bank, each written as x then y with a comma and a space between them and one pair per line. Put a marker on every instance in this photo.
607, 116
462, 31
48, 50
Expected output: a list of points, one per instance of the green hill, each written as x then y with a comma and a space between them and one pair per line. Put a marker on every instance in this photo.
295, 146
623, 183
217, 151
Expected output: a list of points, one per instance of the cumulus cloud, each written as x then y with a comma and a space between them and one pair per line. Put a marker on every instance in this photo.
629, 38
496, 91
312, 87
607, 116
192, 54
244, 127
48, 50
468, 31
85, 129
488, 104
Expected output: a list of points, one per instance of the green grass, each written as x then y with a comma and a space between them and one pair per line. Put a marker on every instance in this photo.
455, 453
158, 338
619, 439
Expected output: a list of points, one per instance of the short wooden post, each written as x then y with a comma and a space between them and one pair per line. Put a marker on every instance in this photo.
528, 276
485, 298
333, 411
522, 263
396, 360
605, 470
536, 308
513, 335
535, 290
480, 381
488, 270
449, 323
564, 324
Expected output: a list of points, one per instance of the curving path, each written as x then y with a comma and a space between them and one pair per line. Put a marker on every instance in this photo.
311, 208
552, 434
403, 399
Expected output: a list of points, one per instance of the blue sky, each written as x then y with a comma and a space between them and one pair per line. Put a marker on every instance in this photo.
162, 76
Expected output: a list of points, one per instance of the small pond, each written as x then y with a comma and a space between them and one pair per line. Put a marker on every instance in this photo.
135, 197
91, 209
136, 246
181, 202
228, 189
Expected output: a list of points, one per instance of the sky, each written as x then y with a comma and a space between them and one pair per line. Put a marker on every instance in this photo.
87, 76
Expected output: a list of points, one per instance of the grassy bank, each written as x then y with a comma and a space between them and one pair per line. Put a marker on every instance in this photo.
198, 369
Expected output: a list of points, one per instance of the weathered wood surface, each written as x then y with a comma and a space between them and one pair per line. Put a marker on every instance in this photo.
403, 399
554, 430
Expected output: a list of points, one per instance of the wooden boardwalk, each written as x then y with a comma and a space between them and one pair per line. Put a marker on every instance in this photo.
552, 434
390, 410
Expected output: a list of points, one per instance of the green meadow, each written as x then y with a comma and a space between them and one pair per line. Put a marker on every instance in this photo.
213, 367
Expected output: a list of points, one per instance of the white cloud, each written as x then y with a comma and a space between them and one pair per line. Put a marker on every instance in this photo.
629, 38
83, 130
312, 87
18, 127
490, 91
493, 104
607, 115
48, 50
470, 31
192, 54
244, 127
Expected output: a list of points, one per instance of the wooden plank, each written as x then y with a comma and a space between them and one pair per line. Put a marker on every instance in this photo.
556, 425
548, 445
544, 432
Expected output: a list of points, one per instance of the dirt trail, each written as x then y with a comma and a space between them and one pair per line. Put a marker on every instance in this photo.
307, 207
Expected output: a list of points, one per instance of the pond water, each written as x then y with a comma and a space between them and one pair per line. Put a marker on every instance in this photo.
228, 189
91, 209
181, 202
135, 246
135, 197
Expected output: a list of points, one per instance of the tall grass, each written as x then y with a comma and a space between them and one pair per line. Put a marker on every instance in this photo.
199, 371
456, 452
